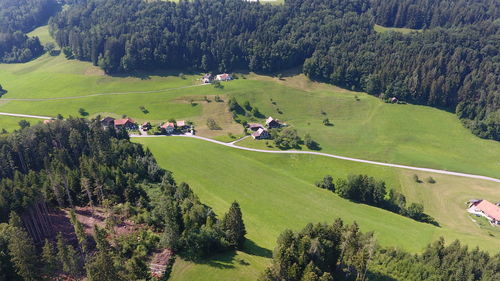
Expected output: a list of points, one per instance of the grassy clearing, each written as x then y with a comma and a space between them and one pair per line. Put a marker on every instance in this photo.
11, 123
382, 29
277, 192
42, 33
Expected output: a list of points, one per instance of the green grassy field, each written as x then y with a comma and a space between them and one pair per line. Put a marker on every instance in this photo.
11, 123
276, 192
42, 33
382, 29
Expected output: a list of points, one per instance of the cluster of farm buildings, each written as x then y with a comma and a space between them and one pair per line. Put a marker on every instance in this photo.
169, 128
261, 132
208, 78
486, 209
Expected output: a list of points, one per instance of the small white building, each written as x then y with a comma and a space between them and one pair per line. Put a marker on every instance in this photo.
223, 77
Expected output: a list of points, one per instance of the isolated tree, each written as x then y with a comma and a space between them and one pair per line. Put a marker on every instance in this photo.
234, 226
24, 124
82, 112
310, 143
246, 105
326, 183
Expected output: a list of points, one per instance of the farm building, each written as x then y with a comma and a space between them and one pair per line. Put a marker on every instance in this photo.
146, 126
272, 123
168, 127
486, 209
181, 124
260, 134
223, 77
127, 123
108, 122
255, 126
207, 78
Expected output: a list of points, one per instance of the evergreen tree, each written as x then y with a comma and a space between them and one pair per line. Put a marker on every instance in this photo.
49, 258
23, 254
79, 231
234, 226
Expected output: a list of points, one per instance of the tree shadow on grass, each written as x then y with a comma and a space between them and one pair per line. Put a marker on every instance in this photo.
255, 250
222, 261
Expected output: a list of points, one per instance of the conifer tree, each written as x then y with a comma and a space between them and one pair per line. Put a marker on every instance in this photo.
23, 254
49, 258
79, 231
234, 227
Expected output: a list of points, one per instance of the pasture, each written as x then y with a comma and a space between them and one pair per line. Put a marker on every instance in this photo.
277, 192
363, 126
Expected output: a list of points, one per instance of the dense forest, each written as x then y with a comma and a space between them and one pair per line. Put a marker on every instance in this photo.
324, 252
72, 163
18, 17
368, 190
453, 262
453, 67
432, 13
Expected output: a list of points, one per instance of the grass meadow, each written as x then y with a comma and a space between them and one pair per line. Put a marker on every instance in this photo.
277, 192
404, 30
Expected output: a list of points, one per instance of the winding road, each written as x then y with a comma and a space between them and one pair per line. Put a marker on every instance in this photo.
233, 145
25, 115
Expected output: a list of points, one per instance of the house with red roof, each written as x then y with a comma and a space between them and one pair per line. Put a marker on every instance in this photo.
487, 209
168, 127
126, 123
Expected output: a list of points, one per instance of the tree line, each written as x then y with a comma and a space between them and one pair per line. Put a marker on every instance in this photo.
453, 262
76, 162
365, 189
453, 67
338, 251
17, 17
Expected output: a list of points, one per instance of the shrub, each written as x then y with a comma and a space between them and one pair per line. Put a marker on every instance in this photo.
212, 125
430, 180
416, 179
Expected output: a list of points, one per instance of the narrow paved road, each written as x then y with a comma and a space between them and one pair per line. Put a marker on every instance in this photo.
233, 145
105, 94
25, 115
